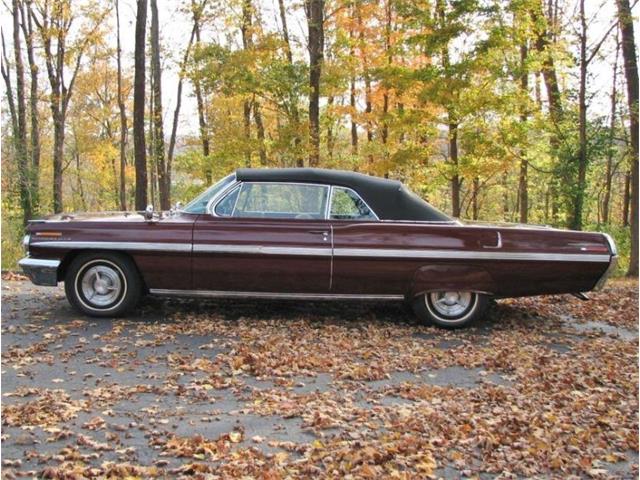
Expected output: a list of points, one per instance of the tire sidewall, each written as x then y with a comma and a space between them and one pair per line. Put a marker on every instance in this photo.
125, 269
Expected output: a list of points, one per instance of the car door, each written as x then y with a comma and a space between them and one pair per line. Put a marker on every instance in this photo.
265, 237
357, 234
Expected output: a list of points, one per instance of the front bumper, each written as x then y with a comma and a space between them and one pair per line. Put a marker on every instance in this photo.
41, 271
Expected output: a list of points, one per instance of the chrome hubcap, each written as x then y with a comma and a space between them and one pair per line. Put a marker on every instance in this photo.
451, 304
101, 285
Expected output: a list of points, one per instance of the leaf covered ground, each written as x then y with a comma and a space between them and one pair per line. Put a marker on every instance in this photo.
543, 388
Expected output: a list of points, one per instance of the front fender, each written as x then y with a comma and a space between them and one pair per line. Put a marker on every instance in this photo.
451, 277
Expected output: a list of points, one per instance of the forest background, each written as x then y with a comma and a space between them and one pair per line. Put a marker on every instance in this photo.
497, 110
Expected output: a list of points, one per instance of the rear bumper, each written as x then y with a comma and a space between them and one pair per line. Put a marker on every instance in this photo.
41, 271
607, 273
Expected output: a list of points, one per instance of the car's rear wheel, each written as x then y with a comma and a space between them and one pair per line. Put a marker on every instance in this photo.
452, 309
102, 284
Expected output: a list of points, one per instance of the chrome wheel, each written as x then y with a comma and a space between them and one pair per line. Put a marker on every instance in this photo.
451, 304
100, 285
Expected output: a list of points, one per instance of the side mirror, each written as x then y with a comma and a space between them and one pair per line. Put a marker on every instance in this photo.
148, 212
178, 205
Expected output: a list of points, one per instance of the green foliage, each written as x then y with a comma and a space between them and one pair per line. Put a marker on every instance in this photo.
12, 233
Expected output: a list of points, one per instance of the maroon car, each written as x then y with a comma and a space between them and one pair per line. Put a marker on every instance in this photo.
309, 234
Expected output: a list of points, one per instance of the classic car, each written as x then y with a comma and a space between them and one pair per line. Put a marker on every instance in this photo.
310, 234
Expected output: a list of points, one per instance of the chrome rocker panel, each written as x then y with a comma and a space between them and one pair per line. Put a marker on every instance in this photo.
271, 295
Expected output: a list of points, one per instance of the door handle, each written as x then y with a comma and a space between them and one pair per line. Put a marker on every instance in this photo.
498, 243
324, 233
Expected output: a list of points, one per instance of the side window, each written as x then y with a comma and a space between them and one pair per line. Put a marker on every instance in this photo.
224, 208
347, 205
281, 200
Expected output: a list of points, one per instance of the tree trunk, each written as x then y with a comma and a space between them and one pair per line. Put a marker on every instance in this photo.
20, 139
246, 115
34, 168
139, 145
164, 187
352, 91
354, 125
505, 196
295, 114
612, 126
631, 73
474, 198
314, 10
58, 155
578, 200
247, 42
626, 200
257, 117
523, 183
330, 137
202, 118
455, 178
549, 75
123, 117
176, 111
6, 75
387, 48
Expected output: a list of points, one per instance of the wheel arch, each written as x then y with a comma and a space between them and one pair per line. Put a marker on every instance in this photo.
459, 277
72, 254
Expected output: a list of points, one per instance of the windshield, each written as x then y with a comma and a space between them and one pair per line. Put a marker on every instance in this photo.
199, 204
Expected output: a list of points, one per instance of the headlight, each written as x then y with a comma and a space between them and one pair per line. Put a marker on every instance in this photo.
25, 242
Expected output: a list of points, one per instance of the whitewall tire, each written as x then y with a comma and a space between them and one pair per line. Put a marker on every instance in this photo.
450, 309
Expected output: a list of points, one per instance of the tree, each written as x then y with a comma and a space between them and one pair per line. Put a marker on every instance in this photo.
176, 112
631, 74
164, 176
34, 167
54, 22
140, 153
197, 11
314, 10
612, 129
293, 107
20, 132
123, 116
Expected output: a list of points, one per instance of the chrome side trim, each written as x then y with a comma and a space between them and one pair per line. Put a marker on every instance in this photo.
469, 255
139, 246
327, 251
272, 295
261, 250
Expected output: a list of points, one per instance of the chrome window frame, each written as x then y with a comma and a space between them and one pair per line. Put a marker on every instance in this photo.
226, 193
242, 184
218, 197
206, 210
328, 213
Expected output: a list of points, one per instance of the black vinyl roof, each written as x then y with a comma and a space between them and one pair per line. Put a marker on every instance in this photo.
389, 199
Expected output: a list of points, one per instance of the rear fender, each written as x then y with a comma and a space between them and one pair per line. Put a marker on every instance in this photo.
433, 278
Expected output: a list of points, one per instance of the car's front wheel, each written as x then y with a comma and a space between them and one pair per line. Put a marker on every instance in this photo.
102, 284
453, 309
